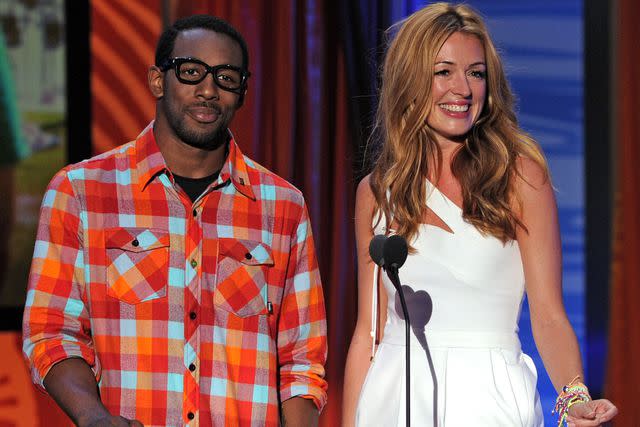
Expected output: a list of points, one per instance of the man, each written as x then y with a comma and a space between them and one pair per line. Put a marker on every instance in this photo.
175, 273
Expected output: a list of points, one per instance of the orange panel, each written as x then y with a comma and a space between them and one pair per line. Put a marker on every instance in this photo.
21, 404
123, 39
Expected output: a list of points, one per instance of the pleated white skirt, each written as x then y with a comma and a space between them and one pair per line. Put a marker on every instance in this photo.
484, 379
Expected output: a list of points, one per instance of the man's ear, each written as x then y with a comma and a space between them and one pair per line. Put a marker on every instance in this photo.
241, 98
156, 81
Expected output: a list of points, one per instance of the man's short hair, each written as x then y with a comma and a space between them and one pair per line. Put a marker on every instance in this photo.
167, 40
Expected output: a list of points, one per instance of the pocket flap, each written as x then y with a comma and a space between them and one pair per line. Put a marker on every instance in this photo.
136, 239
249, 252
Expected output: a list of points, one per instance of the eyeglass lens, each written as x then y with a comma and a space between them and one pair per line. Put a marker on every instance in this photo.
193, 72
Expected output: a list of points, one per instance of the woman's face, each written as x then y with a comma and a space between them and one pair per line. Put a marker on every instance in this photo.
459, 87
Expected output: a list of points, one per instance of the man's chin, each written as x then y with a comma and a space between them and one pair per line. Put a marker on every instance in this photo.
209, 142
195, 135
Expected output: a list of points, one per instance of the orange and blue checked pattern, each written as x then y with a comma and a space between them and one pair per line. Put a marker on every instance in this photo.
199, 314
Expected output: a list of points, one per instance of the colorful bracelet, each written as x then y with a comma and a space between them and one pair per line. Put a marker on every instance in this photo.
572, 393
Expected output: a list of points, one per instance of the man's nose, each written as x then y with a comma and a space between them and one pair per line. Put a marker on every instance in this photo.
207, 88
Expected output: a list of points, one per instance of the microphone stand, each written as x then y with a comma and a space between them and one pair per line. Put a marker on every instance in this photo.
392, 272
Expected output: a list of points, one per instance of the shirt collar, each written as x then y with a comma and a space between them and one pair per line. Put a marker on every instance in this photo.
148, 159
235, 168
149, 163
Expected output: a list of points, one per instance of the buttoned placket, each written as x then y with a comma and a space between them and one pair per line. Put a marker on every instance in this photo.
193, 296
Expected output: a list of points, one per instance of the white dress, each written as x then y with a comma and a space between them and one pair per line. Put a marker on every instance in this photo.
476, 285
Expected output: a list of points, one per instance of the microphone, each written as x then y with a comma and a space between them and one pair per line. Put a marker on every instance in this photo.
376, 249
395, 251
390, 253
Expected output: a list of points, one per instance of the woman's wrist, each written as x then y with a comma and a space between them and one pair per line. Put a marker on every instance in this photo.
572, 393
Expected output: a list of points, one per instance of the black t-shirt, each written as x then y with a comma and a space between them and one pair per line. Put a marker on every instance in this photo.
194, 187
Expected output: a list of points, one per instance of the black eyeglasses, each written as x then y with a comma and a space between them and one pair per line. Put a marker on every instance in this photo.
192, 71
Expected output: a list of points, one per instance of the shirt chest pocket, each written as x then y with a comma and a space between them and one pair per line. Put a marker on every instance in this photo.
241, 286
137, 263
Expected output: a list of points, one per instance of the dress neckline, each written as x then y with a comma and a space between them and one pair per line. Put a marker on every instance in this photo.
431, 187
445, 208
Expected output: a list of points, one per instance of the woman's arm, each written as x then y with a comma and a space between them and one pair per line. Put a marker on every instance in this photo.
358, 357
542, 261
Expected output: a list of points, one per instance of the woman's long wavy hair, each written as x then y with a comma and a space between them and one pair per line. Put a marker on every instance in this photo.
486, 163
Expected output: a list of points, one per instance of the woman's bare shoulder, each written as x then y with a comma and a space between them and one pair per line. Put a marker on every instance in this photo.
531, 173
364, 195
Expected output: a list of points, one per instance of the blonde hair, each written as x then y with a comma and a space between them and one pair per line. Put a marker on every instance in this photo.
486, 164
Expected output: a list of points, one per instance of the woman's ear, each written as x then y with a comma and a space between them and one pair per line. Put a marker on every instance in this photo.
156, 82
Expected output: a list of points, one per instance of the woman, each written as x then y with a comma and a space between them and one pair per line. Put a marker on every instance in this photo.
470, 192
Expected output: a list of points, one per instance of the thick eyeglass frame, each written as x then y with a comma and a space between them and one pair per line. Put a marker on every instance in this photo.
175, 63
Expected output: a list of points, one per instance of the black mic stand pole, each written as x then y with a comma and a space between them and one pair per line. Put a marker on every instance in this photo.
392, 272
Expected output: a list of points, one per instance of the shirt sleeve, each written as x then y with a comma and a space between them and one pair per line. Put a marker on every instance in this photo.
56, 321
302, 329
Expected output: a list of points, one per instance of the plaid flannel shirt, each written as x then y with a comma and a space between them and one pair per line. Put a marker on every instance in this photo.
204, 313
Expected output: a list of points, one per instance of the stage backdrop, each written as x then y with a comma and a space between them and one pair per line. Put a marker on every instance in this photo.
33, 104
32, 58
624, 370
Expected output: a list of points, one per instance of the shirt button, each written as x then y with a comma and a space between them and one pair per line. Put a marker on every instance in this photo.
193, 315
192, 367
248, 255
194, 263
190, 415
135, 243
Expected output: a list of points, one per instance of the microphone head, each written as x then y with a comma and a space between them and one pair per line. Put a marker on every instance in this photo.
376, 249
395, 251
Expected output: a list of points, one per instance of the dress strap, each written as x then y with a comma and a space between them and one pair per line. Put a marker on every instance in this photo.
442, 206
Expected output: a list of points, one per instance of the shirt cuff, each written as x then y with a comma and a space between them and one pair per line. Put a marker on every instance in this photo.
43, 363
318, 394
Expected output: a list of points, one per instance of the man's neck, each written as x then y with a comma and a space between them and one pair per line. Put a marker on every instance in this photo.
190, 162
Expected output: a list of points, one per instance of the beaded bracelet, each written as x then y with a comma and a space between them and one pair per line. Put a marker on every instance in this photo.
572, 393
